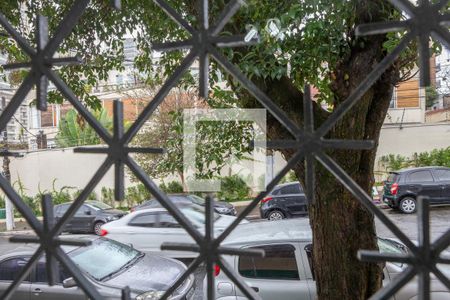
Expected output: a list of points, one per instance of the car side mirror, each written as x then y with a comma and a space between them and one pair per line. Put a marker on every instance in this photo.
87, 212
69, 282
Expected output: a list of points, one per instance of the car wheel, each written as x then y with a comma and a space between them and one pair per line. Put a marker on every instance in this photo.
408, 205
98, 227
275, 215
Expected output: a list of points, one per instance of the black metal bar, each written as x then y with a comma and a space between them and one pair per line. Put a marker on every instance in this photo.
380, 27
82, 110
348, 144
363, 198
16, 100
9, 292
126, 293
180, 247
395, 285
164, 200
119, 172
173, 46
233, 41
241, 252
192, 267
441, 4
23, 44
442, 277
441, 243
49, 223
174, 15
375, 256
20, 205
225, 16
79, 277
66, 26
228, 270
424, 60
364, 86
290, 164
60, 61
117, 4
404, 5
441, 35
255, 91
14, 66
160, 96
81, 197
209, 237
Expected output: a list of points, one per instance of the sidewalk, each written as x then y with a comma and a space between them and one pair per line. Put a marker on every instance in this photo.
241, 205
22, 227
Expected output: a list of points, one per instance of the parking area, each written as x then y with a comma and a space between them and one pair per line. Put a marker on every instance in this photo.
407, 223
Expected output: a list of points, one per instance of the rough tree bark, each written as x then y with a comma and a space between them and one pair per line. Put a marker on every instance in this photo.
340, 225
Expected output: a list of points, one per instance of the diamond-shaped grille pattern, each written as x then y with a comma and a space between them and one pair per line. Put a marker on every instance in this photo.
424, 21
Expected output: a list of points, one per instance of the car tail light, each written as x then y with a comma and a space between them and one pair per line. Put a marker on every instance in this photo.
394, 189
103, 232
216, 270
266, 199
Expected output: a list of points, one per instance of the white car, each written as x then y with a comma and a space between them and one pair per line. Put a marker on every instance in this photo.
147, 229
285, 274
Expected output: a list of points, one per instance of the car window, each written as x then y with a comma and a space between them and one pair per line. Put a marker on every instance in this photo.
278, 263
41, 273
290, 189
10, 269
393, 177
420, 176
276, 192
97, 205
197, 200
82, 210
104, 258
144, 220
443, 175
61, 209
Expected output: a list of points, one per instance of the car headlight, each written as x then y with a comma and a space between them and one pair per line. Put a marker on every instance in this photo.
222, 209
152, 295
112, 218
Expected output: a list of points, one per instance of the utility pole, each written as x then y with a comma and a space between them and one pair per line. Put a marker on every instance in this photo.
9, 208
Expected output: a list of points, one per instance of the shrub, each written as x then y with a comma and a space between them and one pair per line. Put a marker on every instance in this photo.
233, 188
171, 187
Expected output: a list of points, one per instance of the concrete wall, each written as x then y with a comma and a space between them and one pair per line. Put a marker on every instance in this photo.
37, 170
412, 138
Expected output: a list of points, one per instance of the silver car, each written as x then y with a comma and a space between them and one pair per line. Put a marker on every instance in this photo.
285, 273
108, 265
148, 229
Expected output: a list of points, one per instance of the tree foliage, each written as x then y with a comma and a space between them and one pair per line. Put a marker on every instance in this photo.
75, 131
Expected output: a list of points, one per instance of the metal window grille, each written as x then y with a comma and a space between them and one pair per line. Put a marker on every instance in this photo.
424, 21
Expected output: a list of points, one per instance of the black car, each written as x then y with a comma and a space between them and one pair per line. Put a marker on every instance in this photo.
220, 207
90, 216
402, 188
285, 201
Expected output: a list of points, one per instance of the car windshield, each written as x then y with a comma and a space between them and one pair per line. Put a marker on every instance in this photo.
197, 200
196, 214
98, 205
390, 246
104, 257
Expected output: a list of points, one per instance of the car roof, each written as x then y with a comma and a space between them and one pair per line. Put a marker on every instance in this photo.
286, 184
297, 229
405, 170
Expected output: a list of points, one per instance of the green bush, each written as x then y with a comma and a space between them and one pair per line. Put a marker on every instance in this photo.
172, 187
436, 157
233, 188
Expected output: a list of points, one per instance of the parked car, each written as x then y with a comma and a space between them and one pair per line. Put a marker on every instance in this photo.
285, 201
108, 265
90, 217
220, 207
402, 188
285, 272
147, 229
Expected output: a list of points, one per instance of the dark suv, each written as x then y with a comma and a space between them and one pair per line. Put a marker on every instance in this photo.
285, 201
402, 187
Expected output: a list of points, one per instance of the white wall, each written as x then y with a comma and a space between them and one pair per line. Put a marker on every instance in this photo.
37, 170
412, 138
